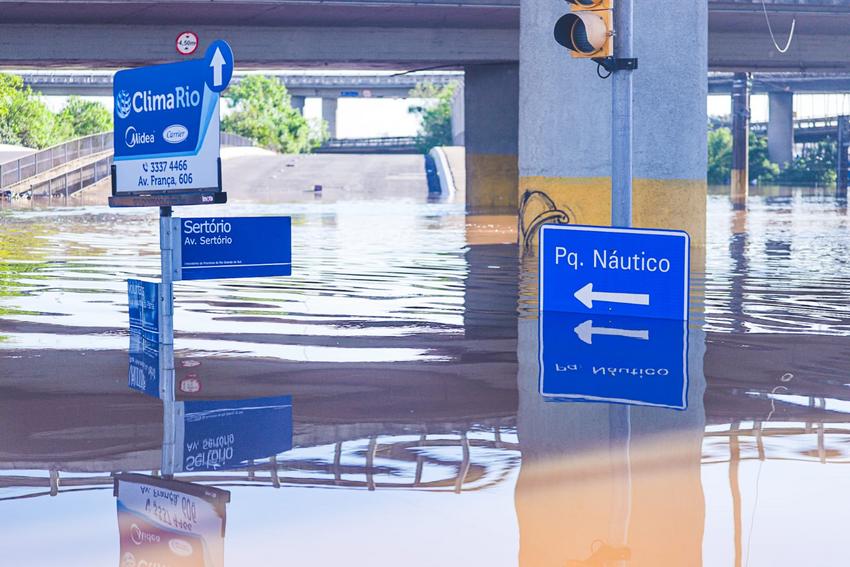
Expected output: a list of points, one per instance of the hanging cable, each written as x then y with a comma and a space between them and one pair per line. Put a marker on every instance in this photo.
770, 29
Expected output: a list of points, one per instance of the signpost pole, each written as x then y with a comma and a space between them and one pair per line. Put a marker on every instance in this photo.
166, 304
621, 119
621, 215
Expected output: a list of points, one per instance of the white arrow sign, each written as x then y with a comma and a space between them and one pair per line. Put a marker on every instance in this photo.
587, 296
217, 62
586, 330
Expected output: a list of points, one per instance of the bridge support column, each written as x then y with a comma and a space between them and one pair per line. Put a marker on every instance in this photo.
565, 123
491, 106
297, 103
740, 140
780, 128
329, 108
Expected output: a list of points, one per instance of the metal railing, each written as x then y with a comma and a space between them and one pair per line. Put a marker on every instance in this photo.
396, 143
41, 161
236, 140
65, 184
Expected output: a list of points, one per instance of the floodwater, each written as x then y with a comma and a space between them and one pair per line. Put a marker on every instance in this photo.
408, 341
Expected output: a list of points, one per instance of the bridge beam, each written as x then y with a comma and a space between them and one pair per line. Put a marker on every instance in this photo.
780, 128
491, 100
565, 123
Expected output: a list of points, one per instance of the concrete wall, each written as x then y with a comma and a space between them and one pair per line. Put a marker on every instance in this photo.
491, 137
565, 121
780, 128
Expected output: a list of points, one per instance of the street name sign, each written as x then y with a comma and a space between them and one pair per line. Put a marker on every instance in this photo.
143, 303
167, 522
229, 434
167, 128
614, 271
613, 311
232, 247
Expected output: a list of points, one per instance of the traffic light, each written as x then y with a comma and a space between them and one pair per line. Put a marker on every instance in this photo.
588, 30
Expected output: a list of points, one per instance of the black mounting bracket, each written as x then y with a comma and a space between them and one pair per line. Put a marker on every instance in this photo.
613, 64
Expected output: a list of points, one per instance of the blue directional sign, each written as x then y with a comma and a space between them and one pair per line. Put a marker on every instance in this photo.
614, 271
220, 435
232, 247
629, 360
167, 125
143, 300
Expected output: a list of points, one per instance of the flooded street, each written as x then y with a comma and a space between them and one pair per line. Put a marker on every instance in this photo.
408, 339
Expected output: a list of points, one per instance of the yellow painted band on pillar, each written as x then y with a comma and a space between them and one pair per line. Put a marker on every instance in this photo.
678, 204
491, 183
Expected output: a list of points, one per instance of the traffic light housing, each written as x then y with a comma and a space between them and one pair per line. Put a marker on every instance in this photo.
588, 30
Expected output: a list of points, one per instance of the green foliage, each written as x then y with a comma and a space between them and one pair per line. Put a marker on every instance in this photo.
719, 156
435, 114
814, 166
82, 118
262, 111
25, 119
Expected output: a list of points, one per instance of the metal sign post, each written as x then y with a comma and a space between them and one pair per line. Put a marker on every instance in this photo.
166, 304
622, 118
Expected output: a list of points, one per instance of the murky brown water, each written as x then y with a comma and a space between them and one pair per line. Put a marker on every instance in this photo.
408, 340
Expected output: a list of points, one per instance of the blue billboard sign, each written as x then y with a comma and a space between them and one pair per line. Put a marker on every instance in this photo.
219, 435
614, 271
167, 125
143, 302
236, 247
599, 358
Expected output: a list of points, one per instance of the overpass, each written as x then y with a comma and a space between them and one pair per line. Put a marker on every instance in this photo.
388, 34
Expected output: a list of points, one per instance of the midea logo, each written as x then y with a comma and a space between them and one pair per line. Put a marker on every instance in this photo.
132, 138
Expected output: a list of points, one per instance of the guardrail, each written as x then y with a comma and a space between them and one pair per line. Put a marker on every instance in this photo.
44, 160
68, 183
370, 145
228, 139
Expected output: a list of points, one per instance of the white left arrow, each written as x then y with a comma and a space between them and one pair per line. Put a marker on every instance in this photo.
586, 330
217, 63
587, 296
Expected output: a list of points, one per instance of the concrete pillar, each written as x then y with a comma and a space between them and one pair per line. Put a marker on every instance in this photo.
780, 128
841, 162
740, 140
565, 122
491, 99
297, 103
329, 107
458, 117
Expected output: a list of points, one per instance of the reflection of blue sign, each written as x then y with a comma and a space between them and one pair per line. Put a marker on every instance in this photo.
144, 307
614, 271
167, 124
145, 357
219, 248
631, 360
229, 434
166, 522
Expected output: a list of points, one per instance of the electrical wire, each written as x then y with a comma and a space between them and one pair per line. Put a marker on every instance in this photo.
770, 29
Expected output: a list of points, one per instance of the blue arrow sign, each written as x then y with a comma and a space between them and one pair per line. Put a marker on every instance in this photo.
614, 271
629, 360
167, 124
221, 435
232, 247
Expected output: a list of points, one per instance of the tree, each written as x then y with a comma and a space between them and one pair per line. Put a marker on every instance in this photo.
720, 158
262, 111
82, 118
814, 166
435, 115
24, 118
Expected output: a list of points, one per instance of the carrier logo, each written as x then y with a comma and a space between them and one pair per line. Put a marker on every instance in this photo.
123, 104
132, 138
175, 133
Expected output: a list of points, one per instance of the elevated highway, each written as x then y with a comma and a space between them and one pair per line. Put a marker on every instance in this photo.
397, 34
